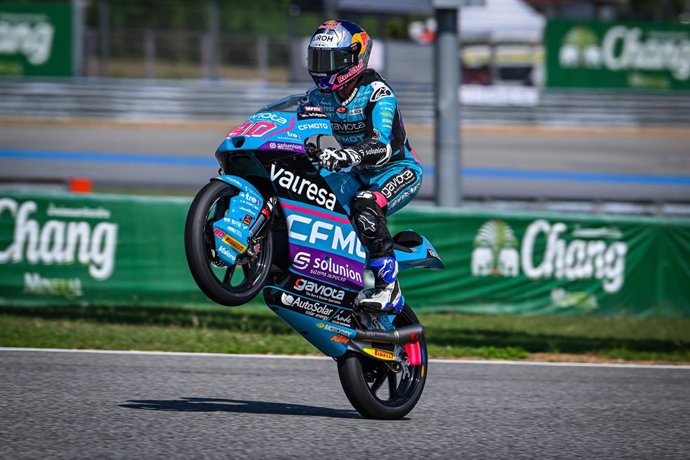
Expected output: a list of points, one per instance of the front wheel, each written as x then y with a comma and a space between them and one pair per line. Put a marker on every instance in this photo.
374, 389
227, 285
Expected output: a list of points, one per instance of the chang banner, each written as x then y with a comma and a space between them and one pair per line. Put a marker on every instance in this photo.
73, 249
35, 40
541, 263
617, 55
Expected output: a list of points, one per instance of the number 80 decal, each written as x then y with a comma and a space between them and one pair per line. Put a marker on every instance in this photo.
252, 129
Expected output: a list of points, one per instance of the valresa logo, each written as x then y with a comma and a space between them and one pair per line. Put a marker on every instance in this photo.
321, 290
320, 233
301, 186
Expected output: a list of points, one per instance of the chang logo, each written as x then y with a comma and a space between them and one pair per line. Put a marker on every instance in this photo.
627, 48
580, 49
60, 241
495, 250
34, 41
583, 253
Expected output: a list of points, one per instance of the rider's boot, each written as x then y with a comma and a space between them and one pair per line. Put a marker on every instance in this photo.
386, 297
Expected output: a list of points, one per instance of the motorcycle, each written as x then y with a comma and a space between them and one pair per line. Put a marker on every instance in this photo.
283, 221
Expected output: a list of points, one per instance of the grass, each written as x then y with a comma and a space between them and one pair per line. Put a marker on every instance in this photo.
255, 329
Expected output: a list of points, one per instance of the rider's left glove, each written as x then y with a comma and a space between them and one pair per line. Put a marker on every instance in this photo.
335, 160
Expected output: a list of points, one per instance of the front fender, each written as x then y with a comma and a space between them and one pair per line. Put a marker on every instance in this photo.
231, 232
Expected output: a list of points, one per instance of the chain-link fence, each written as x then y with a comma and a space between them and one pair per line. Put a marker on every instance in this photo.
137, 53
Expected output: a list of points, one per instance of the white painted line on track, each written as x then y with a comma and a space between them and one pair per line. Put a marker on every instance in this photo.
162, 353
562, 364
308, 357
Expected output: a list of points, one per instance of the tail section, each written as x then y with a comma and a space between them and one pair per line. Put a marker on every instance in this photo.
414, 250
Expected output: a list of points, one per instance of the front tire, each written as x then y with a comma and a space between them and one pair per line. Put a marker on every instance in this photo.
363, 380
221, 283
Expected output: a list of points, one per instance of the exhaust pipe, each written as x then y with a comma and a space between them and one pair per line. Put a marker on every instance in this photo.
407, 334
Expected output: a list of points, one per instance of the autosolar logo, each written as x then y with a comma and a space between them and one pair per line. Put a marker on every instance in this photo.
314, 309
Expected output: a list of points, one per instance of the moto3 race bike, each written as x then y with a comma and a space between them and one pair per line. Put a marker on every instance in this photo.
273, 221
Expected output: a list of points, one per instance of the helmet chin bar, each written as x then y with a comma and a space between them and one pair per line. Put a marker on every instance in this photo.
323, 82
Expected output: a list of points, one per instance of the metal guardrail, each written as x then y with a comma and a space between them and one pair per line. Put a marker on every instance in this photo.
217, 100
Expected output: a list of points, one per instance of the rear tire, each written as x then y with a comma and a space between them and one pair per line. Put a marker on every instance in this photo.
215, 280
362, 379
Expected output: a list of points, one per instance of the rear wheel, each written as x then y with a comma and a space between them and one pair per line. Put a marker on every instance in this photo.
227, 285
374, 389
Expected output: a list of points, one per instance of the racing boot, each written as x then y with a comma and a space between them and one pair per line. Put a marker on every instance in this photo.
386, 297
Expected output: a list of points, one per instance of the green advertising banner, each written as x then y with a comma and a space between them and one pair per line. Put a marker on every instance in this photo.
35, 40
539, 263
617, 55
60, 248
74, 249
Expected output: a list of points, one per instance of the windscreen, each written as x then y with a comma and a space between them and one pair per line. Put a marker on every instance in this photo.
287, 104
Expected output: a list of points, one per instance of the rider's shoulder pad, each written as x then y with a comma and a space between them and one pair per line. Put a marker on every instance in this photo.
380, 90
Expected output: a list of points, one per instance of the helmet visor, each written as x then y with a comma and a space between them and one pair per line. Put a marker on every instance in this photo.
325, 60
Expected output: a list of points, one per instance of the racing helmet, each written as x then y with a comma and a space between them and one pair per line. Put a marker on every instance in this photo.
338, 53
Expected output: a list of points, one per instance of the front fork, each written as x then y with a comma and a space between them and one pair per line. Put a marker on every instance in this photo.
256, 230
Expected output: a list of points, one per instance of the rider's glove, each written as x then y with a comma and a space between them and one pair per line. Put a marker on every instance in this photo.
335, 160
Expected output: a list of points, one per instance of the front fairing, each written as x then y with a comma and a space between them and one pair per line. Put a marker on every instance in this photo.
284, 125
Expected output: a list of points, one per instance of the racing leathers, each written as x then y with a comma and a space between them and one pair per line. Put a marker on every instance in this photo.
369, 127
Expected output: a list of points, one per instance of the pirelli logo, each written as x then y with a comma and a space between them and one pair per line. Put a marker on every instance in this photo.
380, 354
233, 243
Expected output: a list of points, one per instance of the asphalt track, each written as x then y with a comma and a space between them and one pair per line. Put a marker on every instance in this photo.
123, 405
498, 162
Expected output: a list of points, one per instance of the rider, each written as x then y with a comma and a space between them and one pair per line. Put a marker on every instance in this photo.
366, 122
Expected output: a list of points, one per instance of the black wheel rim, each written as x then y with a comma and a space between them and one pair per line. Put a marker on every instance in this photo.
248, 270
392, 388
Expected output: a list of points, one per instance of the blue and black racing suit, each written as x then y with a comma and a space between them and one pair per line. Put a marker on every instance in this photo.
390, 175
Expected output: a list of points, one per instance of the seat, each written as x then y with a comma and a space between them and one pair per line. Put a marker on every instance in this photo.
406, 240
